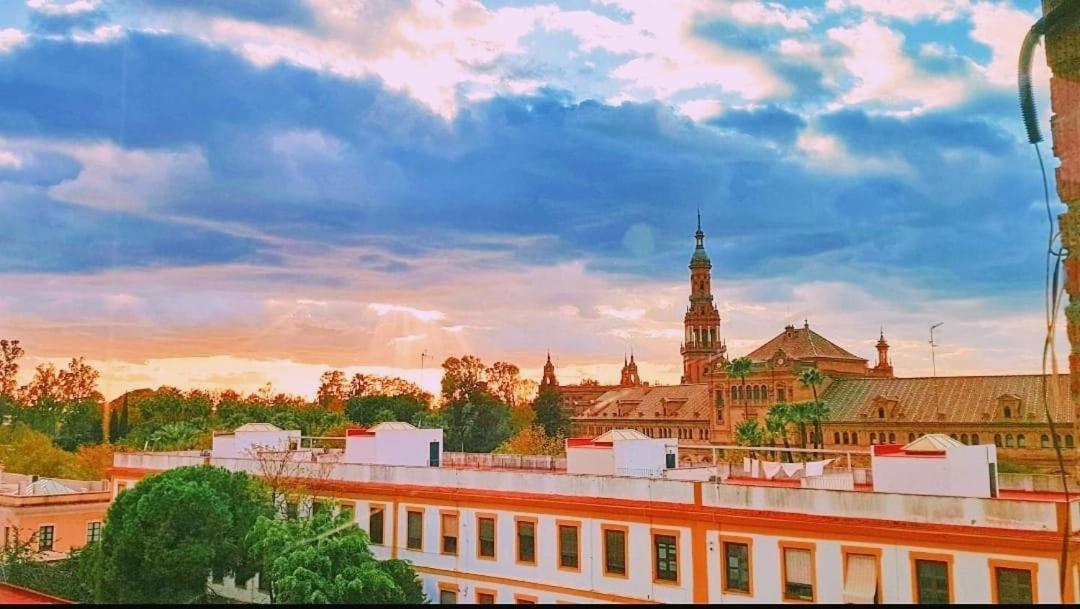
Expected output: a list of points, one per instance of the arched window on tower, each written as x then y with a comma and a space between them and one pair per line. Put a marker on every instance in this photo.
1008, 441
997, 440
873, 438
963, 438
1044, 441
892, 438
975, 439
1021, 441
911, 437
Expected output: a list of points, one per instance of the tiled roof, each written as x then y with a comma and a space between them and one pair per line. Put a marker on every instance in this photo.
682, 401
620, 434
960, 399
802, 343
258, 427
393, 426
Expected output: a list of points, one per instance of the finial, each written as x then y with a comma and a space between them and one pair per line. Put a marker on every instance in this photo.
806, 323
699, 217
549, 356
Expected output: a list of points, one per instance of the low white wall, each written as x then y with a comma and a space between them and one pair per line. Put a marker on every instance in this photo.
962, 472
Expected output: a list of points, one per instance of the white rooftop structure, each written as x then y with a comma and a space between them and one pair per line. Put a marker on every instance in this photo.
936, 464
47, 486
932, 443
257, 427
394, 443
247, 440
621, 452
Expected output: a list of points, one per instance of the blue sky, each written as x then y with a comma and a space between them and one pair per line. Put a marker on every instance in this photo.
211, 193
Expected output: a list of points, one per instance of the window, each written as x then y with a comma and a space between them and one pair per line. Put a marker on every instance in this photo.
963, 438
347, 511
485, 597
614, 550
736, 572
997, 440
975, 439
931, 575
1044, 441
1008, 412
665, 557
45, 538
449, 521
526, 540
836, 437
1068, 441
93, 532
414, 530
798, 575
861, 581
854, 437
485, 532
780, 397
1008, 441
892, 438
1020, 441
521, 599
1013, 583
911, 437
569, 545
873, 438
881, 413
376, 524
447, 596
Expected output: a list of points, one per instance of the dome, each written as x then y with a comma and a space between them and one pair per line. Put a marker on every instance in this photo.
700, 257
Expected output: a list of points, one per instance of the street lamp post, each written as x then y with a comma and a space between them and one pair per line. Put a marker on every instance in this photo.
933, 359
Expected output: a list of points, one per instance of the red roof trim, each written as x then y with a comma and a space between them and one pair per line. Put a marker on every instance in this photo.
358, 431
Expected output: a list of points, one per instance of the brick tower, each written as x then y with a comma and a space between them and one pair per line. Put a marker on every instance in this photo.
702, 341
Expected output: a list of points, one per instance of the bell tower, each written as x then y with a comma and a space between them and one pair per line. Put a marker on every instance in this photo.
701, 323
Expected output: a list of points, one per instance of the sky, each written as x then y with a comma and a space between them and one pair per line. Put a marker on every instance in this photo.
217, 194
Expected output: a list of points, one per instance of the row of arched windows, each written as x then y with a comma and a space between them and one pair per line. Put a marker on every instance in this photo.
965, 439
1020, 441
753, 393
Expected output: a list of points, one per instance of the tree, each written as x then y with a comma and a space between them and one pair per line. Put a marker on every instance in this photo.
463, 379
776, 424
80, 424
78, 382
26, 451
165, 536
502, 382
367, 385
332, 388
476, 426
45, 385
92, 462
533, 441
325, 559
812, 378
748, 433
799, 414
739, 368
551, 413
10, 353
366, 410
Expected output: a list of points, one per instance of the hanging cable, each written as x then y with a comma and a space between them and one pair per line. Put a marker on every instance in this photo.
1065, 13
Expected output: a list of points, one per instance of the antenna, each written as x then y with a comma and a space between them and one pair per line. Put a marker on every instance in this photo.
933, 359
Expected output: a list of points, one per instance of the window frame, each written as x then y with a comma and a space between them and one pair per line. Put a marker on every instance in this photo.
100, 526
811, 547
52, 537
915, 557
450, 587
744, 541
494, 594
443, 515
526, 599
675, 534
1032, 567
409, 511
494, 518
848, 551
518, 521
615, 528
372, 509
576, 525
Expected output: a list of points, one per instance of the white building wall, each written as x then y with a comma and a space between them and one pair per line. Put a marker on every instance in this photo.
962, 472
590, 460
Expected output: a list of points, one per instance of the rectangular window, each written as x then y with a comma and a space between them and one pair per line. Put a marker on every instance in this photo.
93, 532
449, 533
666, 557
414, 530
860, 578
521, 599
45, 538
376, 524
1014, 586
798, 566
931, 582
736, 567
485, 597
347, 511
569, 546
615, 551
447, 597
526, 541
485, 532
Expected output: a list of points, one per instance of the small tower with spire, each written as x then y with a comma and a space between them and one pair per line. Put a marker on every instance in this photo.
549, 381
884, 366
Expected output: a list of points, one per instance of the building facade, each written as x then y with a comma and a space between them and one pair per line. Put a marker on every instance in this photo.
54, 516
687, 535
867, 403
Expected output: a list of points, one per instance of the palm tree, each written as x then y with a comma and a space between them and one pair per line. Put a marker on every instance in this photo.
818, 412
799, 414
739, 368
776, 423
812, 378
747, 433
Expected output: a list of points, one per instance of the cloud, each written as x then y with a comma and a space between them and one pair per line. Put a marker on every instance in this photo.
56, 8
420, 314
278, 12
768, 122
1002, 28
938, 10
617, 313
10, 38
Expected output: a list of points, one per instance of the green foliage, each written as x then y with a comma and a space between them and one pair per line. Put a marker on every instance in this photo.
748, 433
70, 578
533, 441
26, 451
80, 424
164, 536
325, 559
476, 426
551, 413
370, 410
